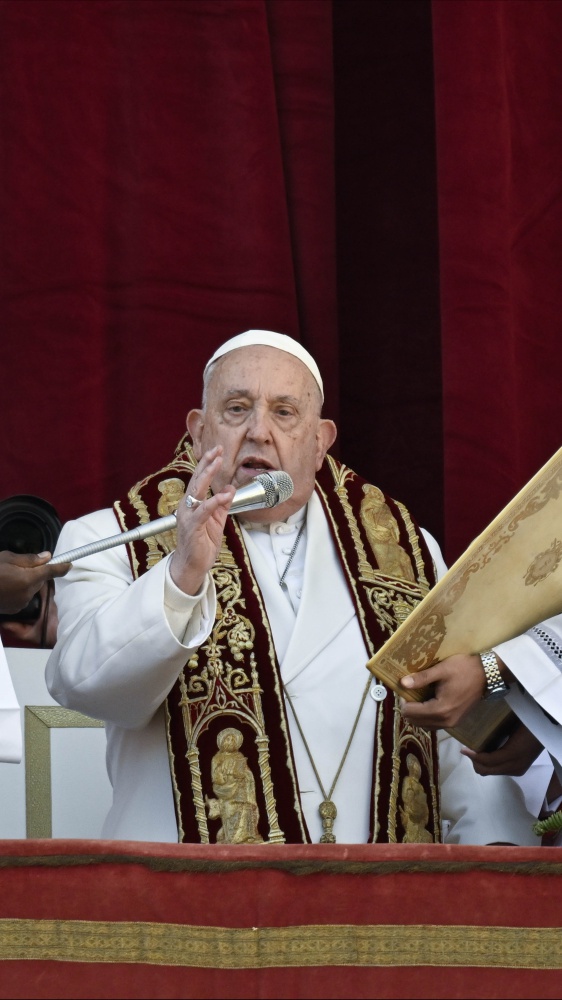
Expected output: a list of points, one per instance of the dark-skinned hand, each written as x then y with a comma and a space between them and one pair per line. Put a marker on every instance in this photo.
514, 757
459, 683
22, 575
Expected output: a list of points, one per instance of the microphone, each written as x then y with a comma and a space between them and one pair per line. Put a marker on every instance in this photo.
266, 490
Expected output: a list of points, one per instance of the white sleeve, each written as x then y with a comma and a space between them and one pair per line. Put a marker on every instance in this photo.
436, 554
535, 660
118, 653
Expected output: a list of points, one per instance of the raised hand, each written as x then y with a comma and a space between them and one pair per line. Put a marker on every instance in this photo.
200, 528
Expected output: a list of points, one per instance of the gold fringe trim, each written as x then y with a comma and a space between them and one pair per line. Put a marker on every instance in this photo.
280, 947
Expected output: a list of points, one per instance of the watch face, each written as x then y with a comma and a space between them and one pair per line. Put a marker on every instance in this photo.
496, 693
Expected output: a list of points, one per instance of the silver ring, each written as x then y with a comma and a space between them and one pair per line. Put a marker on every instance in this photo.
191, 501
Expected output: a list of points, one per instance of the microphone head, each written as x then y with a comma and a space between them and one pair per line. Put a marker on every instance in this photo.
278, 487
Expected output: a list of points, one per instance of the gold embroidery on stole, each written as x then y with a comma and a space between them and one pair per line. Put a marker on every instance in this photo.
276, 684
404, 733
383, 533
414, 542
221, 689
172, 491
414, 811
235, 790
392, 600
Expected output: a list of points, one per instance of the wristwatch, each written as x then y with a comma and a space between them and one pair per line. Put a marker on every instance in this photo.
495, 684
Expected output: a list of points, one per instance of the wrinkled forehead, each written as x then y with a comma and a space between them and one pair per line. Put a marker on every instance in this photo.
260, 370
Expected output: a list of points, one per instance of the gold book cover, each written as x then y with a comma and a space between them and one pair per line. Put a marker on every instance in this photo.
509, 579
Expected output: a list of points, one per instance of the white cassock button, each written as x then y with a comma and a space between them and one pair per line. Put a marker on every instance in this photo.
378, 692
299, 594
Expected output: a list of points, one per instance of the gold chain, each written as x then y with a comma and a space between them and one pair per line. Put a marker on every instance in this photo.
327, 808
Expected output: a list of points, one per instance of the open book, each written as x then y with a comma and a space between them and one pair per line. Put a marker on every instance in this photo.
509, 579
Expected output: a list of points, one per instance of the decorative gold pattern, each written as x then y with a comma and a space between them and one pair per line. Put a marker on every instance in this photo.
159, 545
495, 540
377, 783
38, 721
414, 542
544, 564
420, 647
381, 528
392, 601
414, 810
222, 688
406, 734
340, 475
369, 945
172, 491
328, 814
235, 790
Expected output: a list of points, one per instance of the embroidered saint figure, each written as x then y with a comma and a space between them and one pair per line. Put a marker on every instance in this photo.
414, 812
383, 534
172, 491
234, 786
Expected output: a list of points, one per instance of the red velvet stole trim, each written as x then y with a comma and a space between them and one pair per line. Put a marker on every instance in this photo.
233, 681
372, 591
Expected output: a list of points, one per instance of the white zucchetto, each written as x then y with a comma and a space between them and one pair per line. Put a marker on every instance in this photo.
267, 338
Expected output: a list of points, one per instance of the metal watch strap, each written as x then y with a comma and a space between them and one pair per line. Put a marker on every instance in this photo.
495, 684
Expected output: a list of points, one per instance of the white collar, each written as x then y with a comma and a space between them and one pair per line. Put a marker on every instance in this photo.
295, 519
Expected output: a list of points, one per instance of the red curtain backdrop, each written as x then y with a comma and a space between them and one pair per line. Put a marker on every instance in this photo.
166, 181
498, 87
175, 171
387, 251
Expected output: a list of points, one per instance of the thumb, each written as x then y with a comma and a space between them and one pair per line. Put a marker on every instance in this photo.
419, 679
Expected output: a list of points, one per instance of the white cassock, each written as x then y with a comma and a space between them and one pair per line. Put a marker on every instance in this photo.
121, 647
10, 716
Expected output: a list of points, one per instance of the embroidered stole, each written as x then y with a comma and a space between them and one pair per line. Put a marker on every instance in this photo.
231, 758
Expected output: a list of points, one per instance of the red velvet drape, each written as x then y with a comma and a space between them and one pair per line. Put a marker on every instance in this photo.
387, 251
498, 84
166, 181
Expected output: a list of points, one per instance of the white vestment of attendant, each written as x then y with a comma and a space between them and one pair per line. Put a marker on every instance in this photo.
122, 644
535, 660
10, 716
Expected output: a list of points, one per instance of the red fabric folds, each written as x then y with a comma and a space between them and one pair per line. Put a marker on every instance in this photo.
498, 84
166, 182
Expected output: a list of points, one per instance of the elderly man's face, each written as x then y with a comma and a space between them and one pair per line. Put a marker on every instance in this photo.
263, 407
